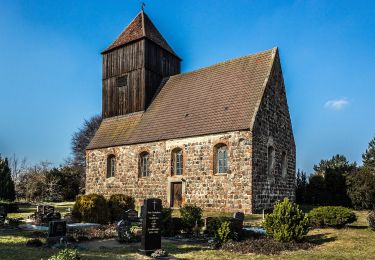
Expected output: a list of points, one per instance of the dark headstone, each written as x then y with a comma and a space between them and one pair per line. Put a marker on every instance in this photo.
3, 214
56, 232
151, 226
239, 215
57, 228
48, 209
131, 215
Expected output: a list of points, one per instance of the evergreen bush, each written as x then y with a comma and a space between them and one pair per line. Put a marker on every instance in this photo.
287, 222
223, 232
118, 204
66, 254
331, 216
91, 208
191, 216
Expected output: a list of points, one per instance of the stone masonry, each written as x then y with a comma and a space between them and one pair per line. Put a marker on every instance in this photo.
200, 186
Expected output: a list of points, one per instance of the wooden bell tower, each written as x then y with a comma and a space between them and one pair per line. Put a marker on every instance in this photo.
134, 66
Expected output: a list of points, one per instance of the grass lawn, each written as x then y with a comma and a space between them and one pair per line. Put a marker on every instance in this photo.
353, 242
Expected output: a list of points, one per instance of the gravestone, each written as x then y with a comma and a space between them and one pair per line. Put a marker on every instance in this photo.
237, 221
239, 215
56, 231
151, 226
48, 209
3, 214
44, 214
131, 215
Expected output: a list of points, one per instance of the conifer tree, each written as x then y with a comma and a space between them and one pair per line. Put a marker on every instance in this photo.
7, 191
368, 157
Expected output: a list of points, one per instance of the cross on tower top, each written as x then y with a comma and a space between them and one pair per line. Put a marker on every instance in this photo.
143, 6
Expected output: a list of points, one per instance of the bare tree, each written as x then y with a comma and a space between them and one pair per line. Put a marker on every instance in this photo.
80, 141
18, 166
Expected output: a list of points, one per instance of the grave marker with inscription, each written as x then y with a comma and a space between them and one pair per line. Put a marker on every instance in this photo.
151, 226
56, 231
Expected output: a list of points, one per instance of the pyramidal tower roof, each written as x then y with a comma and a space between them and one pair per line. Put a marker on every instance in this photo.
140, 27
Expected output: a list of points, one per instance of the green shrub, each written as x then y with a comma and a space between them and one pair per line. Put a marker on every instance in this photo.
213, 224
223, 232
66, 254
166, 216
371, 219
287, 222
118, 204
91, 208
331, 216
191, 216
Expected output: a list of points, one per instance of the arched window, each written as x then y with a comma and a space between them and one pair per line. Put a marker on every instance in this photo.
271, 159
284, 164
177, 162
111, 165
143, 164
221, 158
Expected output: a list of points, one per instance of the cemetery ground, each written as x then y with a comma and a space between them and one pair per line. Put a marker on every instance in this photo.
355, 241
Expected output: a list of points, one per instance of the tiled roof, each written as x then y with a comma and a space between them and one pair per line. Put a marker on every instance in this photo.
216, 99
140, 27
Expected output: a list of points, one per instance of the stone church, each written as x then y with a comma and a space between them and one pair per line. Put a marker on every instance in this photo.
219, 137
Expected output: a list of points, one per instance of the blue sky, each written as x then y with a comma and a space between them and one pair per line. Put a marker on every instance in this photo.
50, 65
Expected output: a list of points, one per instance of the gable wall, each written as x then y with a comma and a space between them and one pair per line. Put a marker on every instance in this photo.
230, 192
272, 126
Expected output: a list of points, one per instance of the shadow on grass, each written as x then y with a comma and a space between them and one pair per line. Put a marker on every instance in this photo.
357, 227
183, 248
320, 239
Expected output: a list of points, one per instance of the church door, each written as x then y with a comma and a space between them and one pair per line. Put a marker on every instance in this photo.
176, 194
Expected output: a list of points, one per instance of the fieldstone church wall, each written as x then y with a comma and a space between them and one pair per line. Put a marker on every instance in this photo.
200, 186
272, 127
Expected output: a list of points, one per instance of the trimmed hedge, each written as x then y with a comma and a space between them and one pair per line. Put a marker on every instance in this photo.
118, 204
287, 222
91, 208
331, 216
10, 207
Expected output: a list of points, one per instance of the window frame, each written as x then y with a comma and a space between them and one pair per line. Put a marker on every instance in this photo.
271, 164
144, 169
284, 164
221, 159
177, 162
111, 166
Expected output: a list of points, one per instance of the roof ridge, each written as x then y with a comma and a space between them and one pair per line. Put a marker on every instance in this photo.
223, 62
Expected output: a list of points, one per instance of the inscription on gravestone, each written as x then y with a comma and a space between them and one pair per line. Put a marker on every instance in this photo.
131, 215
151, 223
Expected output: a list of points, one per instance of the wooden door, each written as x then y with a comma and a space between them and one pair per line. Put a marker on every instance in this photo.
176, 193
